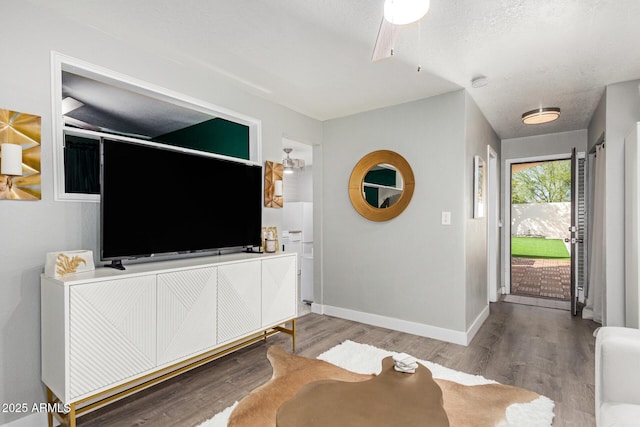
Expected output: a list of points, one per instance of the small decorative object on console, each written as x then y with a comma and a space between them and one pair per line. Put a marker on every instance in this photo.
68, 262
270, 239
270, 242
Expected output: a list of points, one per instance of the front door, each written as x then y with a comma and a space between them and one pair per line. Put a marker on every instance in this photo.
577, 229
573, 230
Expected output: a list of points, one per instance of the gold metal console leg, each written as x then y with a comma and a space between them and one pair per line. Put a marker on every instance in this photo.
293, 336
72, 415
49, 413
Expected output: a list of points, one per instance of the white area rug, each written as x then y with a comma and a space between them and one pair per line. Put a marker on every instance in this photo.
366, 359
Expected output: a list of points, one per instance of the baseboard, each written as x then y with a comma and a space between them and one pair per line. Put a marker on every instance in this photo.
317, 308
35, 419
415, 328
475, 326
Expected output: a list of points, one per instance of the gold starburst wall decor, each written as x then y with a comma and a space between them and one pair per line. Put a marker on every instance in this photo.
24, 130
273, 185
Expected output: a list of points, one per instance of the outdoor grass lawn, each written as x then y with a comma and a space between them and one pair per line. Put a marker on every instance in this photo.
538, 247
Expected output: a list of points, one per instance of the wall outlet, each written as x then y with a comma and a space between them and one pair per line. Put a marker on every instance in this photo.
446, 218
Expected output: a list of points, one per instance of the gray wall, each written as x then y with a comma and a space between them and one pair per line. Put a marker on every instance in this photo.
478, 134
543, 145
30, 229
597, 123
407, 268
616, 113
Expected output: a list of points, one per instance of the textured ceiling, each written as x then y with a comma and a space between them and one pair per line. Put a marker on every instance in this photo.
315, 56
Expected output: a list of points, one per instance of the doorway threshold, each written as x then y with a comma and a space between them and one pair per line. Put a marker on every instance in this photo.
538, 302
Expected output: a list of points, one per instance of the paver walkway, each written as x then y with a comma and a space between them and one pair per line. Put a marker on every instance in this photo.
537, 277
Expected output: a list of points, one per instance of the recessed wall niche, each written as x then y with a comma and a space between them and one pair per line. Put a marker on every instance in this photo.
91, 102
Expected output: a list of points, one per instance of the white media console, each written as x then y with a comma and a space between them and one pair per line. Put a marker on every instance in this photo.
107, 333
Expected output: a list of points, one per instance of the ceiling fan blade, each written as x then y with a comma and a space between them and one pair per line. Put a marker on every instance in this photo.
385, 41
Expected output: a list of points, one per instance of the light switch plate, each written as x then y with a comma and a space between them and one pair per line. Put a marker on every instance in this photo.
446, 218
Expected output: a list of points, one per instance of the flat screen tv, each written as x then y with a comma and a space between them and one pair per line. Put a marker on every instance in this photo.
161, 201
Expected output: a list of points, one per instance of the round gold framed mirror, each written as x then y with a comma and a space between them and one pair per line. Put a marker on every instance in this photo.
381, 185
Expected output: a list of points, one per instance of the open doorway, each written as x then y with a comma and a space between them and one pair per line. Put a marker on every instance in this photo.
545, 244
540, 223
297, 219
493, 225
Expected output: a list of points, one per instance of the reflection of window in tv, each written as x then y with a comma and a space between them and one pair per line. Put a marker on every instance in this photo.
82, 165
217, 136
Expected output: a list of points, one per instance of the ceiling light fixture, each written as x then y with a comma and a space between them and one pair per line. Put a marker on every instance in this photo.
540, 115
401, 12
480, 81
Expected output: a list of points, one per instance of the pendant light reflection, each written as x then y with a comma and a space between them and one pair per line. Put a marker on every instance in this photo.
290, 164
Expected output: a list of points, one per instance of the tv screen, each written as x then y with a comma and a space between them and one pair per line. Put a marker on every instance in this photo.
157, 200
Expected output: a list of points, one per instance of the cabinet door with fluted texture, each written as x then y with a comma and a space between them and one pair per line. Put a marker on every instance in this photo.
111, 325
186, 313
278, 290
238, 299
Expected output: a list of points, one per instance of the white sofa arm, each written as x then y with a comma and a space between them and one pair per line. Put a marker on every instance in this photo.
617, 380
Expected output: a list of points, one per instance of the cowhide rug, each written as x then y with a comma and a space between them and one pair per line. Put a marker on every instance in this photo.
478, 405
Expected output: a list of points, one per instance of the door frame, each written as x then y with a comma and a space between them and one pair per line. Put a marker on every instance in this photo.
506, 234
493, 225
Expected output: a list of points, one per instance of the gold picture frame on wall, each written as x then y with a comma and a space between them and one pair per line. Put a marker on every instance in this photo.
23, 130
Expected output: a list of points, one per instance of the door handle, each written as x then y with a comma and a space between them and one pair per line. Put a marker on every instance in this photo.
573, 240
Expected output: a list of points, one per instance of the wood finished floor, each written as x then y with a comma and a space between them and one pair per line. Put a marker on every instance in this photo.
541, 349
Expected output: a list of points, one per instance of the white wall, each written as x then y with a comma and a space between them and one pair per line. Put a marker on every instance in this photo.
30, 229
549, 220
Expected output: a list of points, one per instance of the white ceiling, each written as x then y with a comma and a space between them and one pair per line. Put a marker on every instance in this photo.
314, 56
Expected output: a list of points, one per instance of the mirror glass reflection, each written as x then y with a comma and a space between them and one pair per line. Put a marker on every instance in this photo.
382, 186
